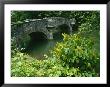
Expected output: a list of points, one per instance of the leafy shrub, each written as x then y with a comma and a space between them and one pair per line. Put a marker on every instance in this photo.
77, 52
75, 56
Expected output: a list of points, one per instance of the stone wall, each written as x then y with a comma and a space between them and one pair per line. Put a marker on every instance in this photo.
21, 32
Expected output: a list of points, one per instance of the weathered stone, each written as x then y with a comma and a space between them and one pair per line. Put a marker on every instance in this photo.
21, 32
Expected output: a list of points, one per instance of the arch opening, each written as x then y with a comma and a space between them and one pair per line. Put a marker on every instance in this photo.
61, 29
37, 36
36, 39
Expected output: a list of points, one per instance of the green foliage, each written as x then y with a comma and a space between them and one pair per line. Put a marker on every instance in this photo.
80, 16
77, 52
92, 24
75, 56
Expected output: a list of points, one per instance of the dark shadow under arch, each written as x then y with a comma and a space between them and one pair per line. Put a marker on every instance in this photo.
37, 36
64, 28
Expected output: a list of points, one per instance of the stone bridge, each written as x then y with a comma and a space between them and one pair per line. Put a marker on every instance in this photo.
20, 33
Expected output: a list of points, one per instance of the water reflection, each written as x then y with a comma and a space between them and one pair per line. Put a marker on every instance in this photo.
40, 47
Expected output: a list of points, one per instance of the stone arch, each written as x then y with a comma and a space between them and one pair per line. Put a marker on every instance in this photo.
23, 38
43, 30
21, 33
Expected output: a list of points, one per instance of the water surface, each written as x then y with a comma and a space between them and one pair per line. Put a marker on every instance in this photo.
38, 48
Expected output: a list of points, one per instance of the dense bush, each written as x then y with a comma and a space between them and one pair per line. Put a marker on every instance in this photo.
77, 52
